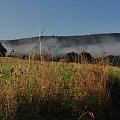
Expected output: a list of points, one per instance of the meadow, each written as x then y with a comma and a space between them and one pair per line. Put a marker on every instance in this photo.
47, 90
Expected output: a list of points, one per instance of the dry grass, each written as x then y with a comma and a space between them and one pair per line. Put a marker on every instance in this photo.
53, 90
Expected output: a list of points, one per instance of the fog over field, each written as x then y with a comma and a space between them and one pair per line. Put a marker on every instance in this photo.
97, 45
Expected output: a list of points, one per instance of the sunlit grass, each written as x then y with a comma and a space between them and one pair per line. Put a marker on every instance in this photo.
53, 90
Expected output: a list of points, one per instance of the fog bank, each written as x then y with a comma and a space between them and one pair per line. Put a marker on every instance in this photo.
97, 45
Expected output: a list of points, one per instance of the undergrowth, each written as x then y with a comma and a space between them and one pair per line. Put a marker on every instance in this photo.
35, 90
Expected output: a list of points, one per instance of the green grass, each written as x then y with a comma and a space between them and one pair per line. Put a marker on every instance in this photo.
116, 73
55, 90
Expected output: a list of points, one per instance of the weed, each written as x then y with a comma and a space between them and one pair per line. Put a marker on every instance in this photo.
55, 90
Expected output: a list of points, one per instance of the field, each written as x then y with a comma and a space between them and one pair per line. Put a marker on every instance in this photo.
39, 90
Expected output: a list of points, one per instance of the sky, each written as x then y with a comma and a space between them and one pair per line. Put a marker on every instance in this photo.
28, 18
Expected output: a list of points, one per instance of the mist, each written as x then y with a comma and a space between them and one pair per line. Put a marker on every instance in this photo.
97, 45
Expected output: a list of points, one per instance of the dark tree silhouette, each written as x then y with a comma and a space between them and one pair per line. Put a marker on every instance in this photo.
114, 60
72, 57
86, 57
82, 57
3, 51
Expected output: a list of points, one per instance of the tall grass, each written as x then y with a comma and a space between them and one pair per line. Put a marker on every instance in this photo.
39, 90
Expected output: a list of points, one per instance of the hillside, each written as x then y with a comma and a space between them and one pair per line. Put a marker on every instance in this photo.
94, 44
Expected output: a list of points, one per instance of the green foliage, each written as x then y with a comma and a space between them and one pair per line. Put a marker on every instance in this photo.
116, 73
67, 74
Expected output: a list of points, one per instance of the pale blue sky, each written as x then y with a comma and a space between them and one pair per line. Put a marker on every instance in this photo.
24, 18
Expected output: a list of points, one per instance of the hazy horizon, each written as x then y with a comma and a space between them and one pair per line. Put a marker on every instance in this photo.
95, 44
